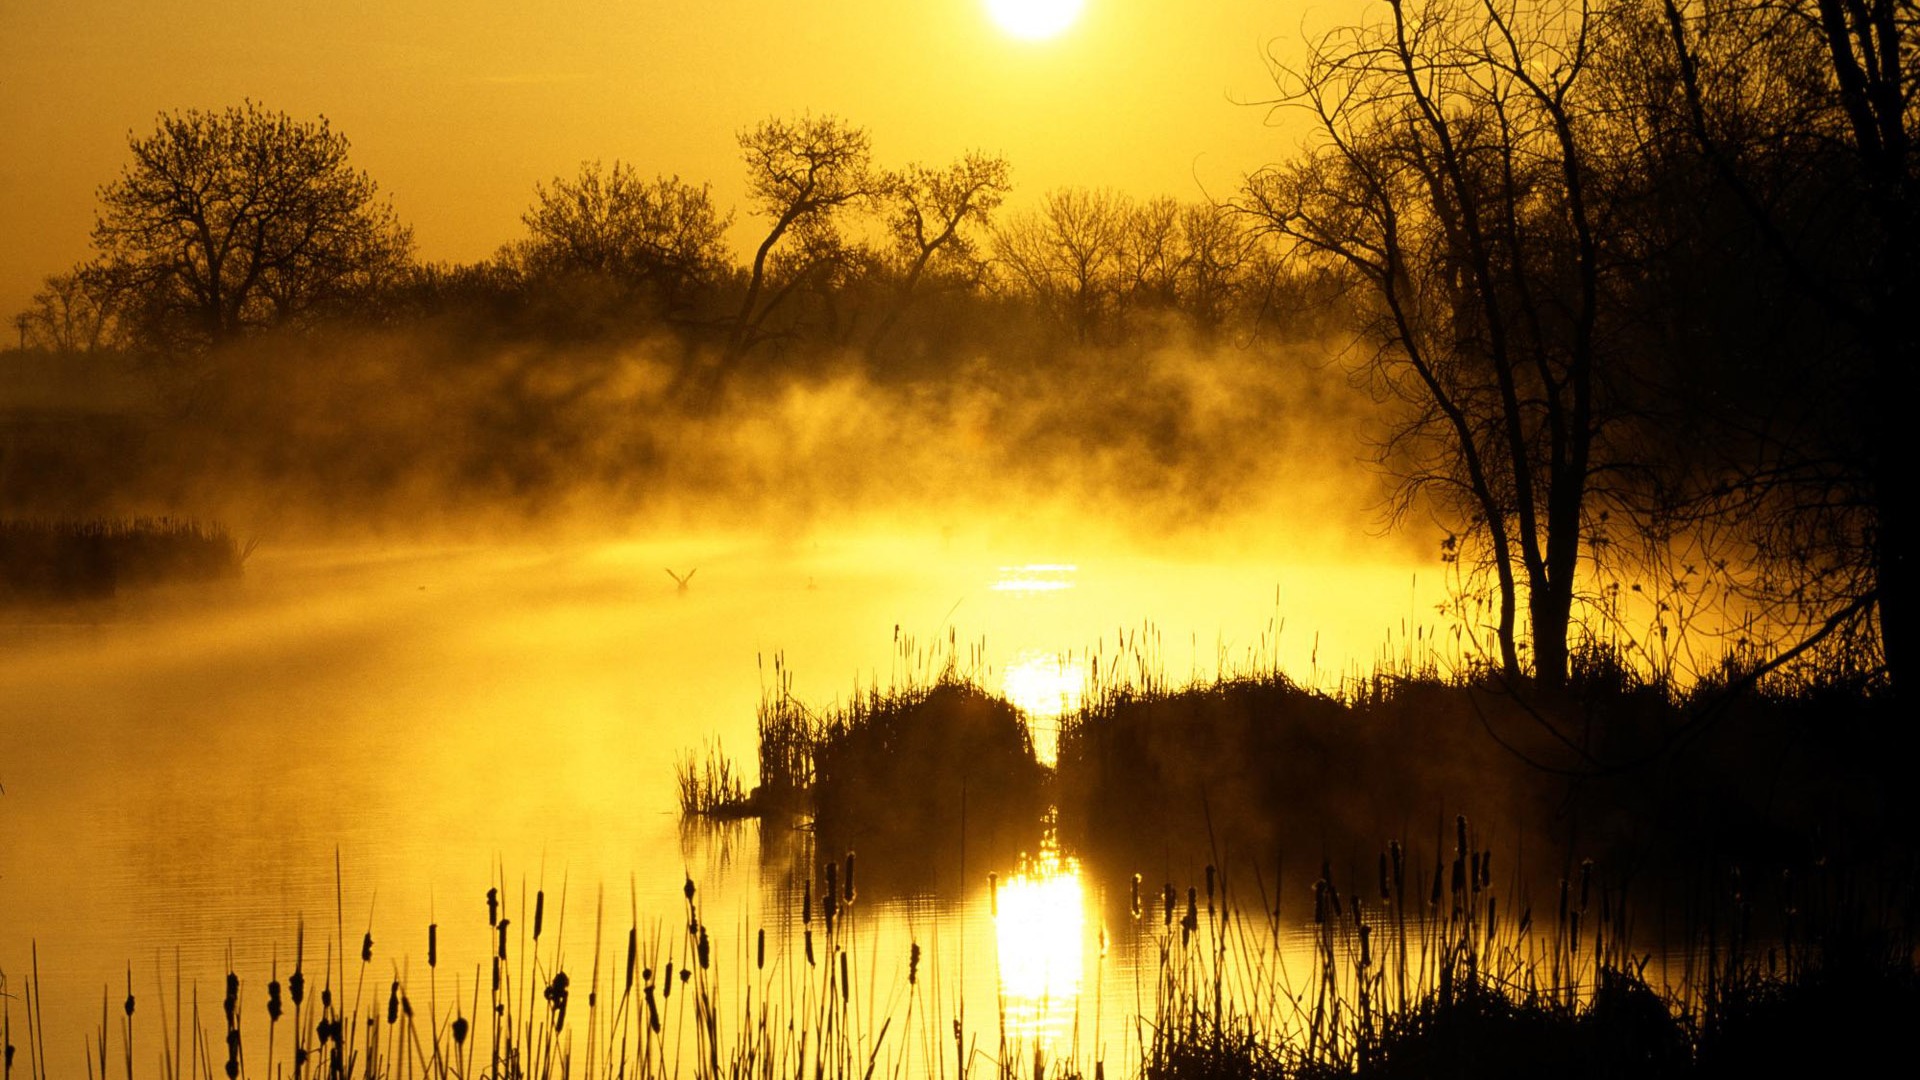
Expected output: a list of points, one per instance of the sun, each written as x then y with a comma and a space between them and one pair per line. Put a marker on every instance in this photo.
1034, 20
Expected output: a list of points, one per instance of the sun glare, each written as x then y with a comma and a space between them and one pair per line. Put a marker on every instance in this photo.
1034, 20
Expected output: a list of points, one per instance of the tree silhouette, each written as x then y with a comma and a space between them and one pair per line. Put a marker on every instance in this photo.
1453, 176
231, 221
1067, 255
799, 173
1803, 111
662, 238
929, 213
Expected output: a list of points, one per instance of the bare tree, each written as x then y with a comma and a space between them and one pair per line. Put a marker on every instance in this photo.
662, 237
1452, 175
72, 312
1066, 255
231, 221
1804, 111
800, 173
931, 215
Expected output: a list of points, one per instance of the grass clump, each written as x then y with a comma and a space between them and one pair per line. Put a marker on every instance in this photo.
710, 787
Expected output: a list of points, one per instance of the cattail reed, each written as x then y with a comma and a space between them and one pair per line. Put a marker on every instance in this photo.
393, 1004
847, 885
1133, 905
913, 964
366, 948
493, 907
760, 950
633, 948
503, 939
540, 912
830, 896
433, 944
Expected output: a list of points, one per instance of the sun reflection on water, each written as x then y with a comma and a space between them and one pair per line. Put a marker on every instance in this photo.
1044, 686
1036, 578
1039, 924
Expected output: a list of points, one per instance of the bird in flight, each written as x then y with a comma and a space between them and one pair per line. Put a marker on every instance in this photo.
683, 579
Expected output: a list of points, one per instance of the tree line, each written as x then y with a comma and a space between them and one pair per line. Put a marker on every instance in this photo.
246, 220
1632, 282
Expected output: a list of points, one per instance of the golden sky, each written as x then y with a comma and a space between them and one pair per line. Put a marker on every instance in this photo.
457, 107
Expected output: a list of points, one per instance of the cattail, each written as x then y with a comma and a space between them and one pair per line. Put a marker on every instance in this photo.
493, 907
1134, 906
845, 990
1366, 945
273, 1001
847, 885
760, 950
633, 942
830, 897
406, 1005
366, 948
666, 981
297, 987
1191, 921
1320, 902
539, 912
806, 904
459, 1030
1486, 868
993, 893
687, 889
496, 974
393, 1003
503, 938
1167, 900
703, 948
807, 935
232, 1001
433, 944
913, 964
1209, 888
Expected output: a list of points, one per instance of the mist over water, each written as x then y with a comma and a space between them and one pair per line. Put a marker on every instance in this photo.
184, 767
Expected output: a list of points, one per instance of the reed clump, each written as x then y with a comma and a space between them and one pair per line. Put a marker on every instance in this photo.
709, 786
66, 560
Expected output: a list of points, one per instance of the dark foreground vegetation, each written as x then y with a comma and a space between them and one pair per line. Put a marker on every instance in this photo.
42, 561
1429, 967
1754, 909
